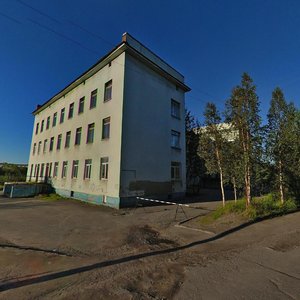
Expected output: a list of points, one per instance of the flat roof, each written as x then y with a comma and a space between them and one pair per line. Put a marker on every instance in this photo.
127, 44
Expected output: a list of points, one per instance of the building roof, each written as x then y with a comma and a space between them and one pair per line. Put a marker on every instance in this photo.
136, 49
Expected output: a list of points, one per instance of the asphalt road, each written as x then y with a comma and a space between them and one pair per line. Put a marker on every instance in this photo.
70, 250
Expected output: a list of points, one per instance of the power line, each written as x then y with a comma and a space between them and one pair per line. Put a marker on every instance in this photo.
62, 36
10, 18
39, 11
91, 33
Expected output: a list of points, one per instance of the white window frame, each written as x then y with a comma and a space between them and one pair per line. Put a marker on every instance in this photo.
106, 128
87, 169
175, 109
93, 99
108, 91
175, 139
75, 167
175, 171
64, 169
104, 166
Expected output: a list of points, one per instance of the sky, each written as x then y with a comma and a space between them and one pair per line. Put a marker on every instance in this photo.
44, 45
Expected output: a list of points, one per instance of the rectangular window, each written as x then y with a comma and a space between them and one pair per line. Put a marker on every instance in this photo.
58, 144
51, 144
75, 168
87, 169
64, 169
108, 91
78, 136
62, 115
68, 139
104, 168
93, 101
42, 170
81, 105
45, 146
34, 149
175, 170
55, 170
39, 147
105, 128
175, 109
175, 139
54, 119
31, 170
50, 169
71, 111
48, 123
90, 133
42, 126
37, 128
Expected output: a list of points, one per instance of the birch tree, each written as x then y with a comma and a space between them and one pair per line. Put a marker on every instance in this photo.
242, 111
212, 143
277, 136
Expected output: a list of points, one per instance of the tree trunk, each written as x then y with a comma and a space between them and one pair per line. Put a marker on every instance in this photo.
248, 186
281, 182
221, 176
234, 189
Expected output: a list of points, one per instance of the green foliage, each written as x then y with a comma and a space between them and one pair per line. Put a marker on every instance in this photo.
242, 111
12, 172
50, 197
268, 205
194, 164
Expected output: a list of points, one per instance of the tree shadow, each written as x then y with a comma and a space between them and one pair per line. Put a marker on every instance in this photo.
25, 282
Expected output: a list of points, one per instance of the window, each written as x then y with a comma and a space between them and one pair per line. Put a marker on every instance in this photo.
39, 147
175, 170
48, 123
104, 168
45, 145
55, 170
75, 168
37, 128
34, 149
87, 169
93, 101
71, 111
90, 133
78, 136
37, 170
105, 128
64, 169
62, 115
68, 138
42, 126
54, 119
42, 170
175, 139
81, 105
50, 169
51, 144
108, 91
175, 109
31, 170
58, 145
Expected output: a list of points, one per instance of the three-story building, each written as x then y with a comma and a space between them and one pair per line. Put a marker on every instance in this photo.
115, 132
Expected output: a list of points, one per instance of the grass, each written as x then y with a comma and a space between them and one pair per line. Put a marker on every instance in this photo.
265, 206
50, 197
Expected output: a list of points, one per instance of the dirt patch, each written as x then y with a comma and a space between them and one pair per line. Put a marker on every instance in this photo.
141, 236
288, 242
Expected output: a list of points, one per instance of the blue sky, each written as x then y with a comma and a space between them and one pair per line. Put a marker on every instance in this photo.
46, 44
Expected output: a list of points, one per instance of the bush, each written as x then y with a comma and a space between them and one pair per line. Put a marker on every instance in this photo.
264, 206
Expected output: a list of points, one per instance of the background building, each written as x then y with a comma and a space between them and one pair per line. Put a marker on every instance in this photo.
115, 132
